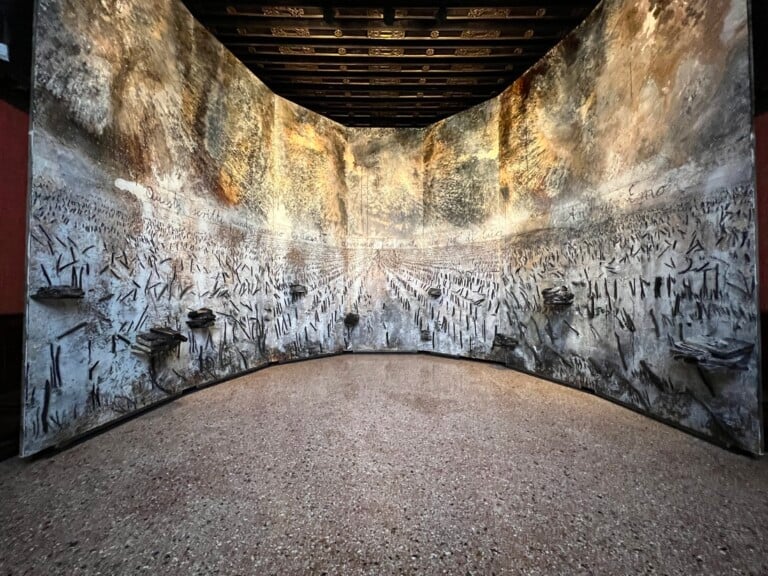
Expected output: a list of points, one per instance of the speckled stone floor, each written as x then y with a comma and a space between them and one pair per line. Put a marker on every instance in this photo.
386, 465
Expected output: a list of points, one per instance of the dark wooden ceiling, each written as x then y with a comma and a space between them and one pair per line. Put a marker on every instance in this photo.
365, 64
16, 34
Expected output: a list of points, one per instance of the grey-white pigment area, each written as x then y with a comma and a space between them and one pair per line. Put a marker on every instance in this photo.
378, 464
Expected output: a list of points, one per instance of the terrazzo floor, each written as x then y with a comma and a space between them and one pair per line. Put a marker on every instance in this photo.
386, 465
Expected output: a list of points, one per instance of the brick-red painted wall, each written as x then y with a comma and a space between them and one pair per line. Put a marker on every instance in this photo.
14, 136
761, 161
761, 135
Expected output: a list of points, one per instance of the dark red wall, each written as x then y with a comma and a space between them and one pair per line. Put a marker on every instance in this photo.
761, 135
761, 159
14, 140
14, 136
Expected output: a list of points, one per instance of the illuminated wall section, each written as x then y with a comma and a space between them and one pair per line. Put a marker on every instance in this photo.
385, 209
626, 156
593, 225
167, 180
461, 184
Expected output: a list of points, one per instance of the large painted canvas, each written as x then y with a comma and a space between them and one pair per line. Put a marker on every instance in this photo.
594, 224
414, 285
626, 157
167, 248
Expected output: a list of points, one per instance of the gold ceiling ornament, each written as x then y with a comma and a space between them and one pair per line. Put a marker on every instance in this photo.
294, 49
480, 34
473, 51
290, 32
284, 11
383, 51
302, 67
385, 68
467, 67
383, 34
378, 13
488, 13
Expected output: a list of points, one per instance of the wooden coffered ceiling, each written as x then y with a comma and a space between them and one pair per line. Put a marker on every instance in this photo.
365, 64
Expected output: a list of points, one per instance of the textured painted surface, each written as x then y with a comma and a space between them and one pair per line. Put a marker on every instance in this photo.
160, 187
638, 185
385, 173
591, 225
461, 185
623, 177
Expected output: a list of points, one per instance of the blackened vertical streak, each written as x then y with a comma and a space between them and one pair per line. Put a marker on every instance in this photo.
652, 314
46, 406
621, 351
45, 273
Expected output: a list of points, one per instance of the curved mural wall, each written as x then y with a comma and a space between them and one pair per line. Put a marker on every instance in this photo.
594, 224
168, 182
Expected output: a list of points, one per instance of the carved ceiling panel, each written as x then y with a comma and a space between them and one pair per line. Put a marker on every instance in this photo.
364, 64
